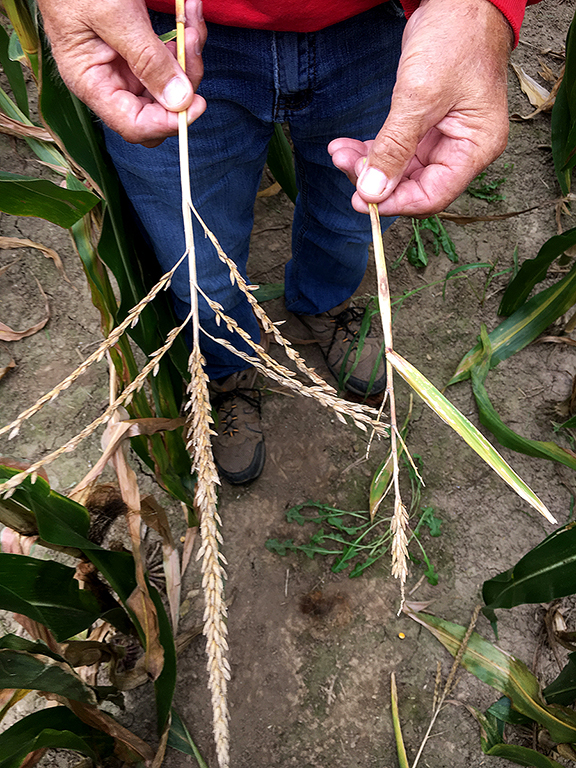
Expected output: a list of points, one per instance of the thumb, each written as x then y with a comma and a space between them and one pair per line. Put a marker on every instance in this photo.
150, 61
390, 154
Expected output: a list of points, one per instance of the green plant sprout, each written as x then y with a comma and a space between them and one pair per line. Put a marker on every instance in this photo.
488, 190
415, 251
349, 537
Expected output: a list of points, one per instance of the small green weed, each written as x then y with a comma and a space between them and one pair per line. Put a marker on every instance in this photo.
416, 250
488, 190
350, 537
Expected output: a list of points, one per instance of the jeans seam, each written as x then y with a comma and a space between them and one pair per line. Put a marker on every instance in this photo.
303, 194
276, 74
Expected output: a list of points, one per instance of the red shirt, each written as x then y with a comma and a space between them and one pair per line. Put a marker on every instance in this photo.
311, 15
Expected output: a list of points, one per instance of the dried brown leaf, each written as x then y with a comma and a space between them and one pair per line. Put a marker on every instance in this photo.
556, 340
33, 758
462, 219
537, 94
7, 334
8, 243
38, 631
183, 640
84, 653
4, 371
155, 516
9, 697
16, 128
126, 741
547, 105
270, 191
189, 541
140, 603
159, 758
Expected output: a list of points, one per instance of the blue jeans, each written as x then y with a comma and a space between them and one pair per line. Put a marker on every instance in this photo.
327, 84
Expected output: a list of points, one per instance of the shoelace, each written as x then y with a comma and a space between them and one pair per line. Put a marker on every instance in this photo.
343, 320
225, 405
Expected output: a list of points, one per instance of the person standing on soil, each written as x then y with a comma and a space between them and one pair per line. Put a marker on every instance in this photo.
381, 110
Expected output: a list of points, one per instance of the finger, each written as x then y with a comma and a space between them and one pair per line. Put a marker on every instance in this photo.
194, 66
427, 189
390, 154
142, 121
346, 153
148, 58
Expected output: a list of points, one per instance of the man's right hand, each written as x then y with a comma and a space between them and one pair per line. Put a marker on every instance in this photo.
110, 57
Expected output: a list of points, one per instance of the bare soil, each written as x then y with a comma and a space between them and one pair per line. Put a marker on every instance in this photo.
311, 686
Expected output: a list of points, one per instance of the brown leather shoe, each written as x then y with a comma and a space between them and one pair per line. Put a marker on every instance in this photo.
239, 449
357, 363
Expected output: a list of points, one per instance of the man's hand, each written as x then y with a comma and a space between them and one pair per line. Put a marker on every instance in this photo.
110, 57
449, 113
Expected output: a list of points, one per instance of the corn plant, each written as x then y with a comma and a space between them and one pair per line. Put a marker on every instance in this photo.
91, 204
528, 316
70, 628
544, 574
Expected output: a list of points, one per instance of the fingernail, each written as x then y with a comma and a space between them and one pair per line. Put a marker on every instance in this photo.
198, 48
372, 182
199, 11
175, 92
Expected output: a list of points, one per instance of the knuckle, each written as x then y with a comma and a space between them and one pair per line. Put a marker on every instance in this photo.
146, 63
393, 144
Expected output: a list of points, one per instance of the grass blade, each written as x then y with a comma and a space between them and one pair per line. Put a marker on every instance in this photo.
402, 757
467, 431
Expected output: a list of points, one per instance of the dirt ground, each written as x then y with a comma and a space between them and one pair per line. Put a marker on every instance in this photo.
313, 688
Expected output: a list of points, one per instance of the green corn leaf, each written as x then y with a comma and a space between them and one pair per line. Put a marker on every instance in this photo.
165, 684
525, 325
179, 738
492, 421
46, 592
502, 710
281, 162
40, 672
43, 150
64, 523
15, 50
564, 117
400, 749
27, 196
56, 728
492, 744
503, 672
534, 270
522, 756
491, 729
545, 573
16, 643
13, 72
467, 431
563, 689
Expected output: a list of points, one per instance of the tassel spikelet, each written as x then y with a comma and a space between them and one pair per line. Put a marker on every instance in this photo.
198, 434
